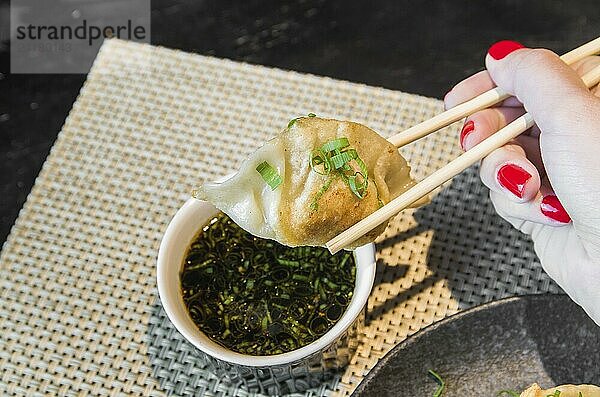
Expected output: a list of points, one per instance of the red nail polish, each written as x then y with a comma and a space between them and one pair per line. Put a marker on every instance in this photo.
553, 209
502, 48
513, 178
466, 130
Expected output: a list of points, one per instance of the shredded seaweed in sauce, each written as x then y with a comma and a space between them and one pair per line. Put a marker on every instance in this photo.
258, 297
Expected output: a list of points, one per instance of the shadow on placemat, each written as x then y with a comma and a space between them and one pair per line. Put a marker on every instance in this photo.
482, 257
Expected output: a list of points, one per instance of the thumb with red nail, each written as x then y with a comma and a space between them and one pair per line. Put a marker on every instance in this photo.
546, 182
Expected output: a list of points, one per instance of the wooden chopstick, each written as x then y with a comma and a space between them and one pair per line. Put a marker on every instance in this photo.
480, 102
442, 175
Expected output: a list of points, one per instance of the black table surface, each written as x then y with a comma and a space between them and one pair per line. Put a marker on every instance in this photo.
421, 47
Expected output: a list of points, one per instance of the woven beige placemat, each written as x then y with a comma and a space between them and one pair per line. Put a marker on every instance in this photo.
79, 313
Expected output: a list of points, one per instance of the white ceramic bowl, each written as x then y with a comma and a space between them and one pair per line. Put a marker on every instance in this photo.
180, 232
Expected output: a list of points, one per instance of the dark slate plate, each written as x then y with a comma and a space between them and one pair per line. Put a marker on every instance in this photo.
506, 344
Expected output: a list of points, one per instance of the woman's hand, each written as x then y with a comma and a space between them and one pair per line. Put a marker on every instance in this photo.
546, 183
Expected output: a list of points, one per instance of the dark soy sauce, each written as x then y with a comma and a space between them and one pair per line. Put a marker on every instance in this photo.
258, 297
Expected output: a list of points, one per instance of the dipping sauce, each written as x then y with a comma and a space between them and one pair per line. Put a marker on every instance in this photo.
258, 297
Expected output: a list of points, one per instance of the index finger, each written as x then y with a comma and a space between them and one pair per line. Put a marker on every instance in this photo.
472, 86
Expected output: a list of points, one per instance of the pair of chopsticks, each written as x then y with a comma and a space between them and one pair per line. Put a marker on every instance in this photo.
464, 161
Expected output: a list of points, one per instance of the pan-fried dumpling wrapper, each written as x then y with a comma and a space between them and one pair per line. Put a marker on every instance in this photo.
285, 214
565, 391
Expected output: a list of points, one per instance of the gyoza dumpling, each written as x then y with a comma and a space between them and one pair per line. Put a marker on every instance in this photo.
565, 391
308, 205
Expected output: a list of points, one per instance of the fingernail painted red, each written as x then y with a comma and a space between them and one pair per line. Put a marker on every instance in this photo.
553, 209
466, 130
502, 48
513, 178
